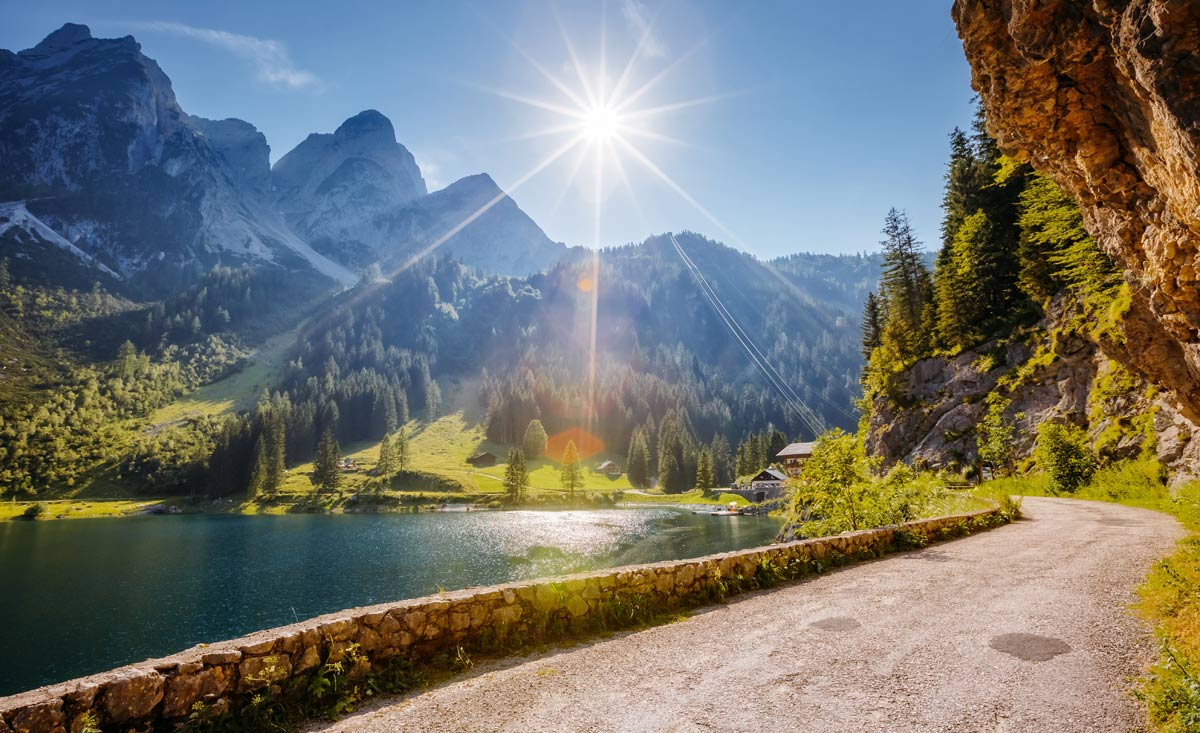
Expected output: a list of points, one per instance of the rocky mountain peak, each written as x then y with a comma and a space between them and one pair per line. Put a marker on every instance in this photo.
330, 182
367, 123
65, 37
479, 183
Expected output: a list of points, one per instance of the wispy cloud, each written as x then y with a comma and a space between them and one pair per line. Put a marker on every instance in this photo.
270, 59
639, 22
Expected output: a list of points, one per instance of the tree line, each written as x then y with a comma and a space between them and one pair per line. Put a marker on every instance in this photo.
1011, 241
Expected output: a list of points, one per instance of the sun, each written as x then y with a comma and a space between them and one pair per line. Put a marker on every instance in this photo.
601, 123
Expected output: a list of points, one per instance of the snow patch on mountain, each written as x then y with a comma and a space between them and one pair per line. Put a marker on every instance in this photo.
14, 215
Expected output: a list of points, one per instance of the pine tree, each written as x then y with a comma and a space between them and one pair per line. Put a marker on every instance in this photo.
258, 472
776, 442
386, 466
704, 471
433, 401
277, 453
676, 452
722, 460
327, 475
572, 476
872, 325
745, 458
516, 476
638, 465
669, 473
391, 415
534, 442
906, 287
961, 308
400, 450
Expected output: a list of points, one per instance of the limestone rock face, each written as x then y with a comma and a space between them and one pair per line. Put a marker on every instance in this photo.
1057, 375
1103, 96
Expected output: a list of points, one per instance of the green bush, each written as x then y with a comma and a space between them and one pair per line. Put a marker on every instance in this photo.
34, 511
1064, 454
839, 490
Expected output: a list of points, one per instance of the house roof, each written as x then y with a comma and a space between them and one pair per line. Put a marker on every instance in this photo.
606, 465
796, 450
479, 456
770, 474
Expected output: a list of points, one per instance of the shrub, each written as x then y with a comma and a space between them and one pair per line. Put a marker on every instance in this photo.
838, 491
1063, 453
34, 511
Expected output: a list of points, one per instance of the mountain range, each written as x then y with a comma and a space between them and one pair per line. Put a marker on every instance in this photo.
89, 125
151, 252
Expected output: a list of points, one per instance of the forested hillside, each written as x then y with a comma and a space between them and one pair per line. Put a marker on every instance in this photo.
702, 354
969, 359
667, 375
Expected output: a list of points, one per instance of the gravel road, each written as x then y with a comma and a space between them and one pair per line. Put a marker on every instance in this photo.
1023, 628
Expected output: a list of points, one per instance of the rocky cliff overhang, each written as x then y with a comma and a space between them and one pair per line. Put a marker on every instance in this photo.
1103, 96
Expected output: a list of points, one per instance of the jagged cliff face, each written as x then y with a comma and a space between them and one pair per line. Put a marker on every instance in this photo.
1103, 96
1057, 374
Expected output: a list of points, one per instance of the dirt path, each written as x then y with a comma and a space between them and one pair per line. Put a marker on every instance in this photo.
1023, 628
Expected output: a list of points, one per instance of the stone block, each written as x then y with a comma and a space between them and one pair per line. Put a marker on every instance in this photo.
291, 643
256, 673
308, 659
460, 620
257, 649
369, 640
547, 599
479, 615
132, 696
506, 615
685, 576
226, 657
81, 698
665, 583
183, 690
42, 717
340, 650
576, 606
339, 630
372, 619
415, 621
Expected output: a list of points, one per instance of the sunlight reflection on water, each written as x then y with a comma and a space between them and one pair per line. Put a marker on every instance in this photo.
93, 594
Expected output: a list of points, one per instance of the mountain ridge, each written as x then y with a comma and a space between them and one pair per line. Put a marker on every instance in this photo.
89, 126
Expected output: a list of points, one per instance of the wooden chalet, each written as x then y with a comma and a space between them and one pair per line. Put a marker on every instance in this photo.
794, 456
608, 468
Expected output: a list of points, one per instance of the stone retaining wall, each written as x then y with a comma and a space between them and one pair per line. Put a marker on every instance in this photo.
224, 676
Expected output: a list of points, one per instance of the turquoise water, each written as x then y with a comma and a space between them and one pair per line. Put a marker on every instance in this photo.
83, 596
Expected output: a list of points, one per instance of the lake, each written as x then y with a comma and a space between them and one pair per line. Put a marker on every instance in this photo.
83, 596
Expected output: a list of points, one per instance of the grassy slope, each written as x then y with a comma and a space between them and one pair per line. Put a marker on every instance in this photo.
239, 391
1170, 597
442, 448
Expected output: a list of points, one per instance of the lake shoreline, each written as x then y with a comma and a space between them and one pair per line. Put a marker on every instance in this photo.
201, 578
116, 508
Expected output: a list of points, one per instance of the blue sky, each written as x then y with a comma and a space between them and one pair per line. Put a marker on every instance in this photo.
806, 120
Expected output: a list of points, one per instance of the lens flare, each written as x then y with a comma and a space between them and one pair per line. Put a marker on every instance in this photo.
601, 124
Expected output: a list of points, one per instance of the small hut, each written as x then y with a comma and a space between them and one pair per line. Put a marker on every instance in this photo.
483, 460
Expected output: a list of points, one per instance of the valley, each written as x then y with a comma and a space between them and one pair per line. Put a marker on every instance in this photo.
352, 370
